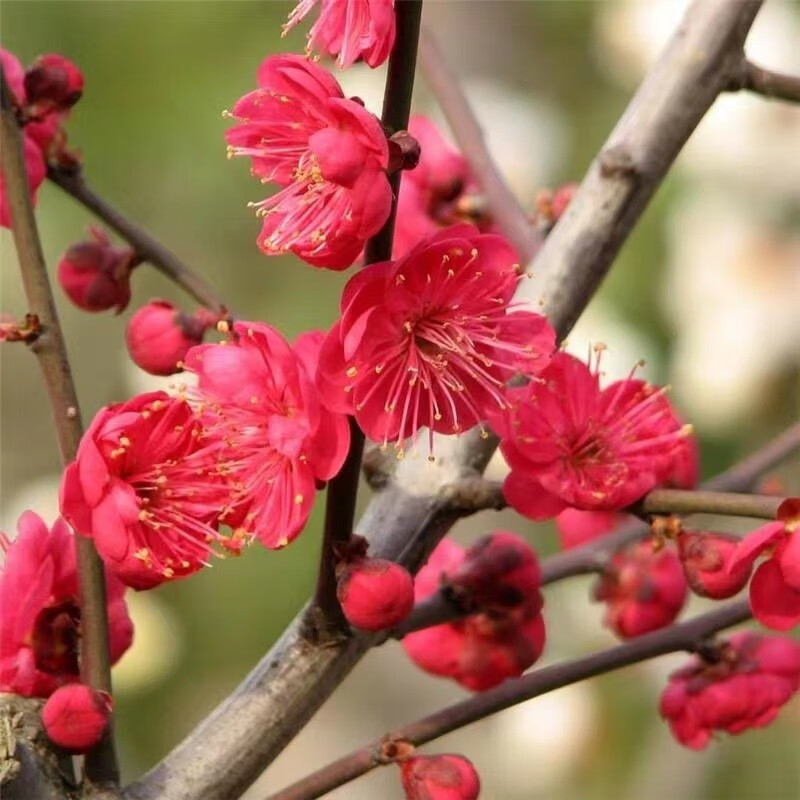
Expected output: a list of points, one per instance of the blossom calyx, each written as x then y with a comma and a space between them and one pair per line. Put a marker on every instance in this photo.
75, 717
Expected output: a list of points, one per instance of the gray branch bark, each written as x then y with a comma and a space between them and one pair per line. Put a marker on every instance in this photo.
227, 751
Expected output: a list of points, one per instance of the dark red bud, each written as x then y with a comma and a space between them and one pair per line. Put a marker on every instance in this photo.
52, 83
440, 777
704, 556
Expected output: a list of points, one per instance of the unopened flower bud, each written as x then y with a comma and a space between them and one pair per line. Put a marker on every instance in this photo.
95, 275
499, 572
404, 152
52, 83
704, 556
440, 777
644, 590
159, 336
75, 717
375, 594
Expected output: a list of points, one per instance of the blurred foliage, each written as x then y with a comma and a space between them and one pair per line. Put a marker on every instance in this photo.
158, 74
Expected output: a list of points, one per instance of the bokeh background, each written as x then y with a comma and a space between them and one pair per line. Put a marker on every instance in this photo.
707, 290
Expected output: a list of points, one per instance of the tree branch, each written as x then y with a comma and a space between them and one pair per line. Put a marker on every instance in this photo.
685, 636
51, 353
680, 501
593, 557
342, 491
774, 85
146, 247
506, 210
248, 729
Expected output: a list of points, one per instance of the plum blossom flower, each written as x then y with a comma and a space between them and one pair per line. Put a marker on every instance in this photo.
349, 29
148, 486
484, 649
258, 401
95, 274
39, 610
775, 587
328, 154
428, 340
437, 192
439, 777
705, 556
643, 590
570, 443
754, 676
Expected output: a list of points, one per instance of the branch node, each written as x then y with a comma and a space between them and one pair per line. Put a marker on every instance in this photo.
617, 161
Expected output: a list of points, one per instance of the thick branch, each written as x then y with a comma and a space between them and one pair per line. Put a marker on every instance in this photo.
146, 247
342, 490
506, 210
760, 80
686, 636
283, 691
594, 556
51, 353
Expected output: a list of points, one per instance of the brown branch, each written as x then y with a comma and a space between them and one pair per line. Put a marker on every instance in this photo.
680, 501
146, 247
342, 491
685, 636
51, 353
593, 557
505, 209
250, 727
774, 85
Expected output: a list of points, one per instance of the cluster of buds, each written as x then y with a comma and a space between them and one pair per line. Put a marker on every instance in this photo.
497, 581
375, 594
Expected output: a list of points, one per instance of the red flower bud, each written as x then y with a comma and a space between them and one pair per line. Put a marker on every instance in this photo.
704, 556
375, 594
96, 275
159, 336
75, 717
499, 572
440, 777
644, 590
52, 83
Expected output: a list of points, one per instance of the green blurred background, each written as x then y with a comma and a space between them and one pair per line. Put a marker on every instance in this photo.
719, 246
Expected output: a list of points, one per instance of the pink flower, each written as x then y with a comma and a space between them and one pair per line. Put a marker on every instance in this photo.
570, 443
39, 610
434, 194
76, 717
327, 153
148, 487
375, 594
439, 777
705, 556
428, 340
481, 650
746, 688
258, 400
775, 587
349, 29
95, 275
576, 528
643, 589
159, 335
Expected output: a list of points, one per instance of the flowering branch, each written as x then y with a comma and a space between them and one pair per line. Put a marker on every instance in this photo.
506, 209
242, 736
594, 557
51, 353
685, 636
146, 247
760, 80
343, 489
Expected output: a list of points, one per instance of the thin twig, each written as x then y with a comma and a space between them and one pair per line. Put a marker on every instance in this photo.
505, 209
774, 85
685, 636
51, 353
680, 501
146, 247
343, 489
